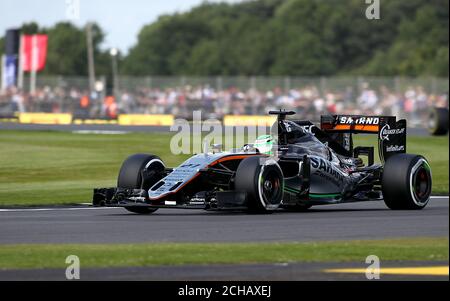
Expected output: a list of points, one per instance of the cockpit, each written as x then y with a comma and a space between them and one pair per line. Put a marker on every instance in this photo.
299, 140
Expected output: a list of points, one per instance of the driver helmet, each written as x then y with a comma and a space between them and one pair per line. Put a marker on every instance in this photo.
264, 144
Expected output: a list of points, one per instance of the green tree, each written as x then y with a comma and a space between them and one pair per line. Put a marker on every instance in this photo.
420, 48
67, 50
271, 37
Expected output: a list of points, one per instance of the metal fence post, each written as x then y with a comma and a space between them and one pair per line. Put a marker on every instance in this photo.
397, 84
359, 82
287, 83
433, 85
252, 82
103, 91
219, 83
148, 82
323, 85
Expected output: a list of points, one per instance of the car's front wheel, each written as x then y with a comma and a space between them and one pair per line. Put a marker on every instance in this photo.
140, 171
406, 182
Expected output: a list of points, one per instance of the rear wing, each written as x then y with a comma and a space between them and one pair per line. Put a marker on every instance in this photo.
391, 133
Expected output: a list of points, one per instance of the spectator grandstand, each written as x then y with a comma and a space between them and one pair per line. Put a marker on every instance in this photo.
216, 97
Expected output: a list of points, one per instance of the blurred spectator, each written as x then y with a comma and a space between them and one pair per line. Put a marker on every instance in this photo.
368, 99
309, 101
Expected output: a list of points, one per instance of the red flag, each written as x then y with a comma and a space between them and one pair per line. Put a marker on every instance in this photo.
34, 52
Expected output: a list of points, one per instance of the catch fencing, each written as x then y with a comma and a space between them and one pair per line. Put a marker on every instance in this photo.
223, 95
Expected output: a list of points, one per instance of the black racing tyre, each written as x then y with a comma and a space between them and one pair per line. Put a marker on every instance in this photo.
262, 179
140, 171
438, 121
406, 182
130, 174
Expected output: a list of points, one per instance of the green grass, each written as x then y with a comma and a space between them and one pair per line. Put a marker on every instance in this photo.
39, 168
434, 149
63, 168
116, 255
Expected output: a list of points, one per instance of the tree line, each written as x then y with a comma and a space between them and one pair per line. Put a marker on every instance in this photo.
271, 37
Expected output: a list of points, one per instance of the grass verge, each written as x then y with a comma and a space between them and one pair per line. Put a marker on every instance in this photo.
119, 255
43, 168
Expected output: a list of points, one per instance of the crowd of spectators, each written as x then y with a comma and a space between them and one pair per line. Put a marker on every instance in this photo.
413, 102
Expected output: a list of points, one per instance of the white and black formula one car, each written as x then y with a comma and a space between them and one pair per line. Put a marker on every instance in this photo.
302, 166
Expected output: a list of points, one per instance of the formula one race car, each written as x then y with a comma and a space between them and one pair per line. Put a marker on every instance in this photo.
438, 121
301, 166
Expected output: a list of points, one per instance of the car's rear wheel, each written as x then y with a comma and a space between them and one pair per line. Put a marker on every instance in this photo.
263, 182
438, 121
140, 171
406, 182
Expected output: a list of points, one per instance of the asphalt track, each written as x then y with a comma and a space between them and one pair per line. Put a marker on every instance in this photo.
121, 128
369, 220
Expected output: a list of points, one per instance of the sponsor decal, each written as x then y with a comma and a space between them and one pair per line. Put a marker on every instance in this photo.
308, 128
395, 148
146, 119
45, 118
347, 161
347, 143
137, 199
190, 165
248, 120
326, 167
386, 131
287, 126
359, 120
197, 201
